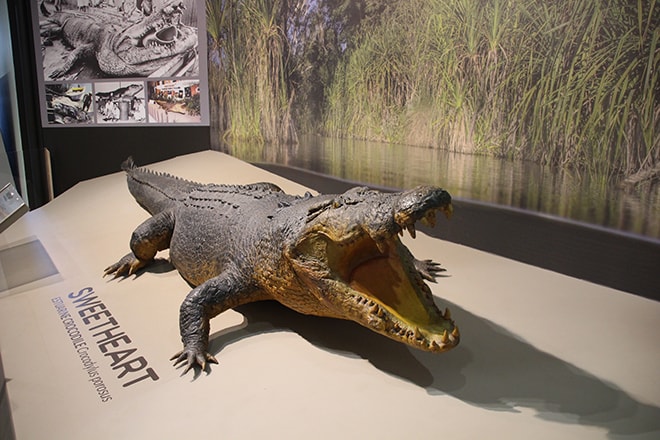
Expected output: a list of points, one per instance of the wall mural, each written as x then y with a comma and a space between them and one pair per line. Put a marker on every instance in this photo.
573, 85
104, 61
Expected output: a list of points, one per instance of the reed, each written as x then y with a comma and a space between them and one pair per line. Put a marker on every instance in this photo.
248, 77
572, 83
565, 83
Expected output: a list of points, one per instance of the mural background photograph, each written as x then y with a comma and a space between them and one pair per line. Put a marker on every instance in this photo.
551, 106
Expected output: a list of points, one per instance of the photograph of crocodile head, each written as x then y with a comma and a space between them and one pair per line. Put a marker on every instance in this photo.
113, 38
337, 256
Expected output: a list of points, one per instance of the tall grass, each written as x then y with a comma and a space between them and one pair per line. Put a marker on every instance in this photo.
572, 82
248, 75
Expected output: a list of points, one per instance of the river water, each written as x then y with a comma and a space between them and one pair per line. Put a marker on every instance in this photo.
518, 184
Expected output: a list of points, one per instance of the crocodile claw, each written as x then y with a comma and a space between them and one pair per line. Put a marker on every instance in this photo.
429, 269
127, 265
191, 357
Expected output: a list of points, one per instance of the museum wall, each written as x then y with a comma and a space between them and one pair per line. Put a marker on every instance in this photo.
569, 85
561, 100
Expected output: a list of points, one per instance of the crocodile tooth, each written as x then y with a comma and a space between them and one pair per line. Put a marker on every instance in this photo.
447, 211
411, 230
380, 312
434, 345
445, 337
418, 334
430, 218
455, 332
447, 314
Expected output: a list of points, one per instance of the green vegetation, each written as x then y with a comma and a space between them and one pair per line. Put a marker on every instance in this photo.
248, 76
570, 83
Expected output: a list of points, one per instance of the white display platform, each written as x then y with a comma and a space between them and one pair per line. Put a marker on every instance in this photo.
542, 355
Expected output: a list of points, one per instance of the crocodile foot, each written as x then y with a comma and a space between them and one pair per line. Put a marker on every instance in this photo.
429, 269
127, 265
191, 357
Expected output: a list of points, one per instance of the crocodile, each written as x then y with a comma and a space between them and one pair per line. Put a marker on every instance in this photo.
332, 255
121, 92
119, 47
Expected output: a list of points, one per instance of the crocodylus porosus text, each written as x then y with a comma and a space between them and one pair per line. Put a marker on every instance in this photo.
329, 255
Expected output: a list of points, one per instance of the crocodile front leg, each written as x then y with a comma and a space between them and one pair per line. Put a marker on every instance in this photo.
203, 303
151, 236
428, 269
82, 51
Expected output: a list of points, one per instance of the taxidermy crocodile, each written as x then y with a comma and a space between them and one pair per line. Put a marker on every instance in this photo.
119, 47
336, 256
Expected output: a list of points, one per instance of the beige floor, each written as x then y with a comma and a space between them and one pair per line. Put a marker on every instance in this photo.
543, 356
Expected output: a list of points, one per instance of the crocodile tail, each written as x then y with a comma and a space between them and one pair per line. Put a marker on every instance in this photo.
128, 164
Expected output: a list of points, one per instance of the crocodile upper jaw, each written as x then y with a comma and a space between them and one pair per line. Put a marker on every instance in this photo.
155, 40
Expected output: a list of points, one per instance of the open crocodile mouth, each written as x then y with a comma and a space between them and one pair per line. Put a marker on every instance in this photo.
155, 42
159, 37
373, 280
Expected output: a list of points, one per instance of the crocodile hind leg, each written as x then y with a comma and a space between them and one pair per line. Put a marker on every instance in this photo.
151, 236
205, 301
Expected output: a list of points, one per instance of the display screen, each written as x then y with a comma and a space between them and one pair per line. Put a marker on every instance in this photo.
12, 206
